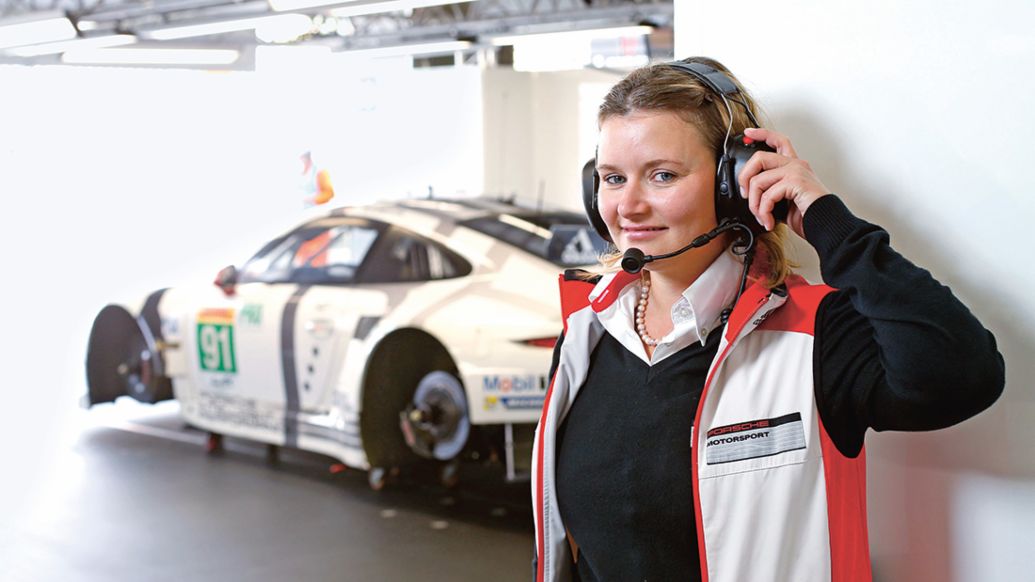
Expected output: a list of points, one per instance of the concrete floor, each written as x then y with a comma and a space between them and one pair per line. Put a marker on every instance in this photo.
141, 501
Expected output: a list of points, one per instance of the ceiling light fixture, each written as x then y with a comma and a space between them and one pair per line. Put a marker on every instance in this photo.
151, 56
359, 7
51, 48
36, 28
377, 7
223, 26
587, 33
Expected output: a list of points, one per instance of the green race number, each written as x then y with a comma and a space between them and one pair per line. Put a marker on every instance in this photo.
216, 347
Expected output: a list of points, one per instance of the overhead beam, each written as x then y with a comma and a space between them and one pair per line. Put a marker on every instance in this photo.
468, 20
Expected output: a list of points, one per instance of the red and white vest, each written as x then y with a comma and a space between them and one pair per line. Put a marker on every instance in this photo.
774, 499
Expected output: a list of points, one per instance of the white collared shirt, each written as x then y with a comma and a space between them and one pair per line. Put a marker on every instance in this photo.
696, 314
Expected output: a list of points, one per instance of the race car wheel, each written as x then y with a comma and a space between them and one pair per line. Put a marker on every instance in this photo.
436, 424
121, 361
411, 386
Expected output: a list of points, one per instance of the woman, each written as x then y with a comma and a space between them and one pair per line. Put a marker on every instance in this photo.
697, 431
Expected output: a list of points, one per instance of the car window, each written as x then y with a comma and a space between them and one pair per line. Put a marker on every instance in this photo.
329, 251
563, 238
403, 256
334, 256
443, 265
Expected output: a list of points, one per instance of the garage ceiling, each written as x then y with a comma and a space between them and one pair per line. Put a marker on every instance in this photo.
476, 27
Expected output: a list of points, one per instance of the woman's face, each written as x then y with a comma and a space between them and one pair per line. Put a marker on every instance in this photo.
657, 182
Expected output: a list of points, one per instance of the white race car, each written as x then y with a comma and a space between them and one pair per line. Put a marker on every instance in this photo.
383, 336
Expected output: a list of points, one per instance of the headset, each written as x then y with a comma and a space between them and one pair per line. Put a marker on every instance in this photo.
731, 210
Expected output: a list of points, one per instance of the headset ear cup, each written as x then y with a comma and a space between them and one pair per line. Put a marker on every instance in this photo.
590, 188
726, 189
729, 204
733, 206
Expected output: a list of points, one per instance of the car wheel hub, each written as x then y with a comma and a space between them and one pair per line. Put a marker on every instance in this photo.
435, 424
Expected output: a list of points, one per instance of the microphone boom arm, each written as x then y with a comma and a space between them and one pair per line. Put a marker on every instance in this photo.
633, 259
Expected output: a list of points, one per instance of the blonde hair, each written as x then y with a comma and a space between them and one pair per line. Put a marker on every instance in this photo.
659, 87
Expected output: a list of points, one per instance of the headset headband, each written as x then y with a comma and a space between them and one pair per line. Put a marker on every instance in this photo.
719, 82
716, 80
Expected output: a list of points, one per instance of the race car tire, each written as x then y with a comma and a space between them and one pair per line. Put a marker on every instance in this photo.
121, 359
394, 372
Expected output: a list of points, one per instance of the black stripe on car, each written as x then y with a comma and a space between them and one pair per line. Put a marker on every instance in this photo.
366, 323
287, 355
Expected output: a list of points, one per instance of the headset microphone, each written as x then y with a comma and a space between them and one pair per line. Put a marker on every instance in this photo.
633, 259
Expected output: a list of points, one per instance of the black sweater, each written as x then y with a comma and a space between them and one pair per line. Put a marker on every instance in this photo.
894, 350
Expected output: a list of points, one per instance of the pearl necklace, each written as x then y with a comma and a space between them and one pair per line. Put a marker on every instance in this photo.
641, 313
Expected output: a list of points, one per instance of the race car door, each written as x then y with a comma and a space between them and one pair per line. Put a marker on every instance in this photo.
365, 278
325, 312
250, 356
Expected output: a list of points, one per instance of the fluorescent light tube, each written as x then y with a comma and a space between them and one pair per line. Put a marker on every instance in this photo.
378, 7
218, 27
589, 33
150, 56
359, 7
409, 49
37, 28
51, 48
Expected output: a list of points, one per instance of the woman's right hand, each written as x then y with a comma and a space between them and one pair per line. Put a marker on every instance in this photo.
769, 177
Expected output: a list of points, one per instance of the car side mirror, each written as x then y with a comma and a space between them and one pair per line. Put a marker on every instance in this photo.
226, 280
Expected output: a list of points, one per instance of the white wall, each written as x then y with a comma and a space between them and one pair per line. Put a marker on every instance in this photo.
540, 128
919, 115
389, 133
508, 133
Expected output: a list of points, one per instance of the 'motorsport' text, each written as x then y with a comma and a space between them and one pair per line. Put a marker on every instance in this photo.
737, 439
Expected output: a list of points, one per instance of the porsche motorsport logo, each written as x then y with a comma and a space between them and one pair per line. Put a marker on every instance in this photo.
754, 439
